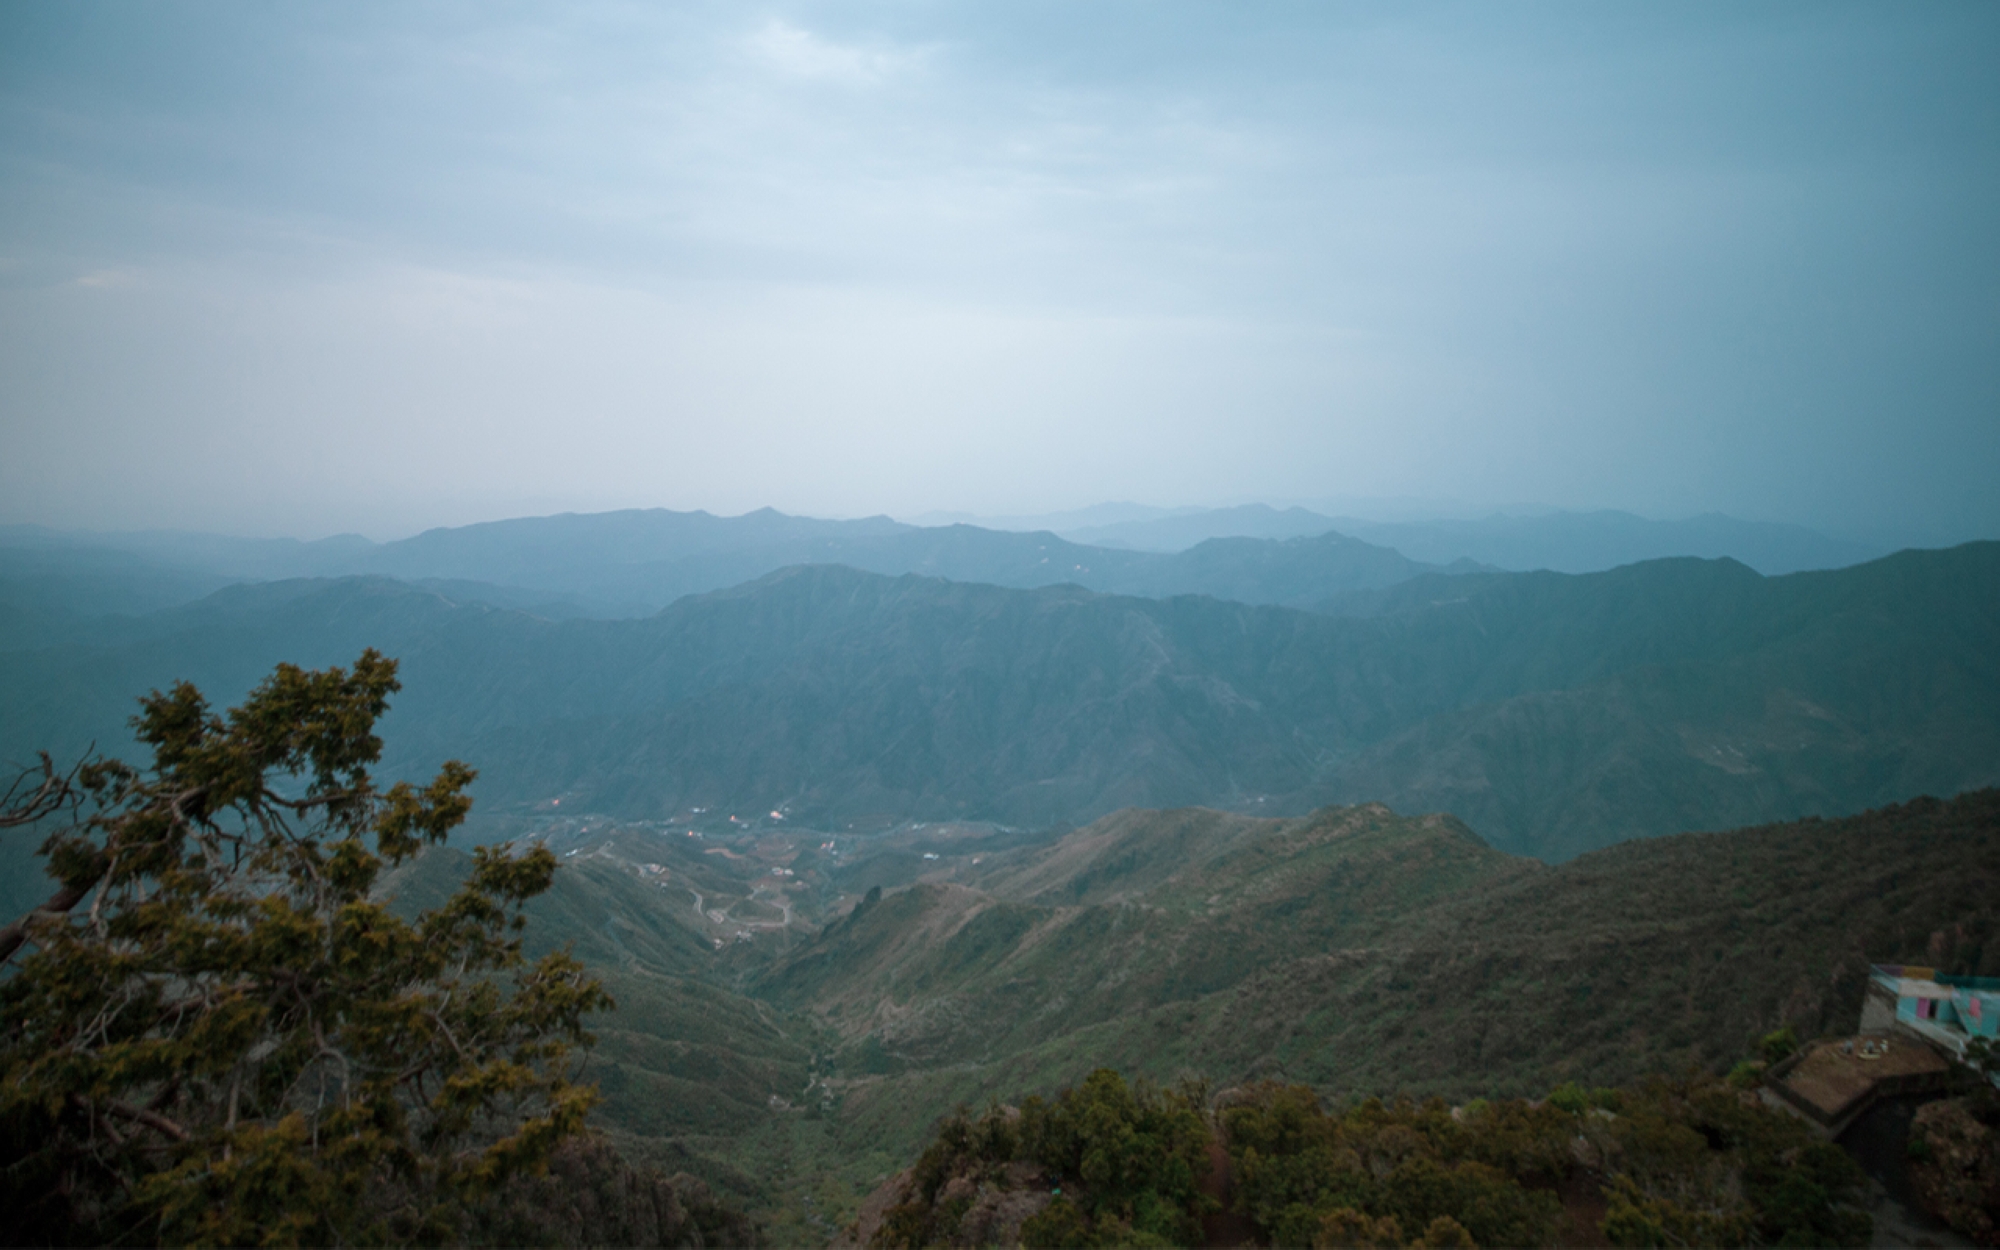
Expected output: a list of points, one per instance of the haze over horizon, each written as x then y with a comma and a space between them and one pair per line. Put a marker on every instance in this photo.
377, 268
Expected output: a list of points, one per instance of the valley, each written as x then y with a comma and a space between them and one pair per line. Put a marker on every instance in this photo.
1354, 950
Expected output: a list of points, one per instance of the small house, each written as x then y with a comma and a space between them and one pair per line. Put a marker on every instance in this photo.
1914, 1021
1947, 1011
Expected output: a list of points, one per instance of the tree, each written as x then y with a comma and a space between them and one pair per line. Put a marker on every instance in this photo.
216, 1032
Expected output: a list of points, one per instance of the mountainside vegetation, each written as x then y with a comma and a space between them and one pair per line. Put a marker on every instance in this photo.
817, 841
795, 1055
1551, 713
1662, 1162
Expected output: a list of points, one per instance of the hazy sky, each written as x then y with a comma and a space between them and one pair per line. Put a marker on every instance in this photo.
307, 268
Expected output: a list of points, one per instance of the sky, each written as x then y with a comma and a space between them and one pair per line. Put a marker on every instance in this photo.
310, 268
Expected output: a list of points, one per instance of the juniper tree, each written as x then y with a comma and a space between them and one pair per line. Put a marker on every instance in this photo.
215, 1030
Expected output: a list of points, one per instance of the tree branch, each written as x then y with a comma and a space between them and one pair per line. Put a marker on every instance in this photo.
59, 904
151, 1119
47, 794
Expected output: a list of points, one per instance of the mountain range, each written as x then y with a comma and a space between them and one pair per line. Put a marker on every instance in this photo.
632, 563
1521, 541
1553, 713
850, 846
626, 564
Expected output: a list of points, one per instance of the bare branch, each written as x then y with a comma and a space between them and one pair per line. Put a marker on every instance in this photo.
317, 800
97, 904
36, 792
97, 1122
151, 1119
59, 904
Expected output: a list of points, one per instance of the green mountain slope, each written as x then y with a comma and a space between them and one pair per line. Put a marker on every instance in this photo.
1353, 950
1553, 713
792, 1034
944, 972
1669, 951
692, 1071
1361, 952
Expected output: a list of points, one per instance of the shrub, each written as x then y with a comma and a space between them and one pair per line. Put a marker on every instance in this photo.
1778, 1046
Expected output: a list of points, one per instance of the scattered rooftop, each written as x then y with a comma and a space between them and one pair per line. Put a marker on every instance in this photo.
1833, 1081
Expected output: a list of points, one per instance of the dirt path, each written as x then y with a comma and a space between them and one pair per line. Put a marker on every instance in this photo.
784, 904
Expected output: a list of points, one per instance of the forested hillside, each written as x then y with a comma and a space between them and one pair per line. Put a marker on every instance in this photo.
1551, 713
794, 1034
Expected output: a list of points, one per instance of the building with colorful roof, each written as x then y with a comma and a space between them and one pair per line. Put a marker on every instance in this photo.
1946, 1011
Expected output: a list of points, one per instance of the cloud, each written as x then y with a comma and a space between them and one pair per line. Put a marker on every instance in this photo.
1039, 253
107, 278
795, 52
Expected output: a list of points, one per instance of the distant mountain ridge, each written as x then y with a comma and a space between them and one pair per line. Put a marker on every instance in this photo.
1180, 531
632, 563
1587, 542
1565, 542
1552, 713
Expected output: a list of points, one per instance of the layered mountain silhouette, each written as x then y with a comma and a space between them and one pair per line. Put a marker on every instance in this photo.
632, 563
1551, 713
1564, 542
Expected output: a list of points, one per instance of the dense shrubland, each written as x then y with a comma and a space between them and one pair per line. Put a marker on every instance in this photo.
1692, 1161
1122, 1162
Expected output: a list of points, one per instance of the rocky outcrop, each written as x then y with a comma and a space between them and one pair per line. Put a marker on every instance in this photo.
989, 1212
1955, 1167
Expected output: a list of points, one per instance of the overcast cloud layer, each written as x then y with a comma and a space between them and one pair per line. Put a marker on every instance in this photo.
290, 269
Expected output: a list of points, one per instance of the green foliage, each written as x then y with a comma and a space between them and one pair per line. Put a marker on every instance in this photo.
1747, 1074
1487, 1203
1692, 1162
1703, 1163
1135, 1153
1363, 1177
1570, 1097
1057, 1226
1446, 1232
1340, 1229
590, 1196
1126, 1162
1779, 1045
961, 1147
1574, 1099
234, 1042
1635, 1218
